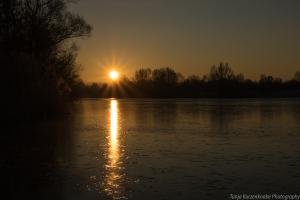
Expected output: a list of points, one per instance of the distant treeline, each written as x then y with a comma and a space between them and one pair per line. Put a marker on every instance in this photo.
221, 82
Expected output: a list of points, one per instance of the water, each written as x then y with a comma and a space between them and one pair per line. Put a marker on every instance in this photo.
166, 149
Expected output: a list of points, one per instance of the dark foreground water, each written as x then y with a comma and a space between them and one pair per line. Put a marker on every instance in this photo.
158, 149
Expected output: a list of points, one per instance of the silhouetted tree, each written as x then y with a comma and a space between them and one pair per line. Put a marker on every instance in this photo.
297, 76
239, 77
221, 72
180, 77
193, 79
143, 75
266, 79
165, 76
37, 53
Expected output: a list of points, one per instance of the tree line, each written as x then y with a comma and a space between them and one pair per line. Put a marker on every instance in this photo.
220, 82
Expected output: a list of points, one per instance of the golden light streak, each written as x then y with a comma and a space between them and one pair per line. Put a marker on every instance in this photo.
113, 123
112, 184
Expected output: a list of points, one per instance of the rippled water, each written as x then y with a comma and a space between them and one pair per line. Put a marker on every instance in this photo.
174, 149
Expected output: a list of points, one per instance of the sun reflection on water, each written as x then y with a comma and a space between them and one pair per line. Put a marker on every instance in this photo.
113, 132
114, 176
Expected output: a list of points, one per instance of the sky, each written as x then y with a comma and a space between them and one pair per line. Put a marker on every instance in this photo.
254, 36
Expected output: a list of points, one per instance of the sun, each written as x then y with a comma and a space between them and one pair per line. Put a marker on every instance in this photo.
114, 75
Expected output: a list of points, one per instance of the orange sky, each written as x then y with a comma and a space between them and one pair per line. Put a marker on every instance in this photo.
255, 36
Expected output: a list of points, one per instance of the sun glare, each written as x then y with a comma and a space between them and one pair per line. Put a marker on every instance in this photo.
114, 75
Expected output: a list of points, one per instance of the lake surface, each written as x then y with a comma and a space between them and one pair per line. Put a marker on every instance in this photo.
165, 149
